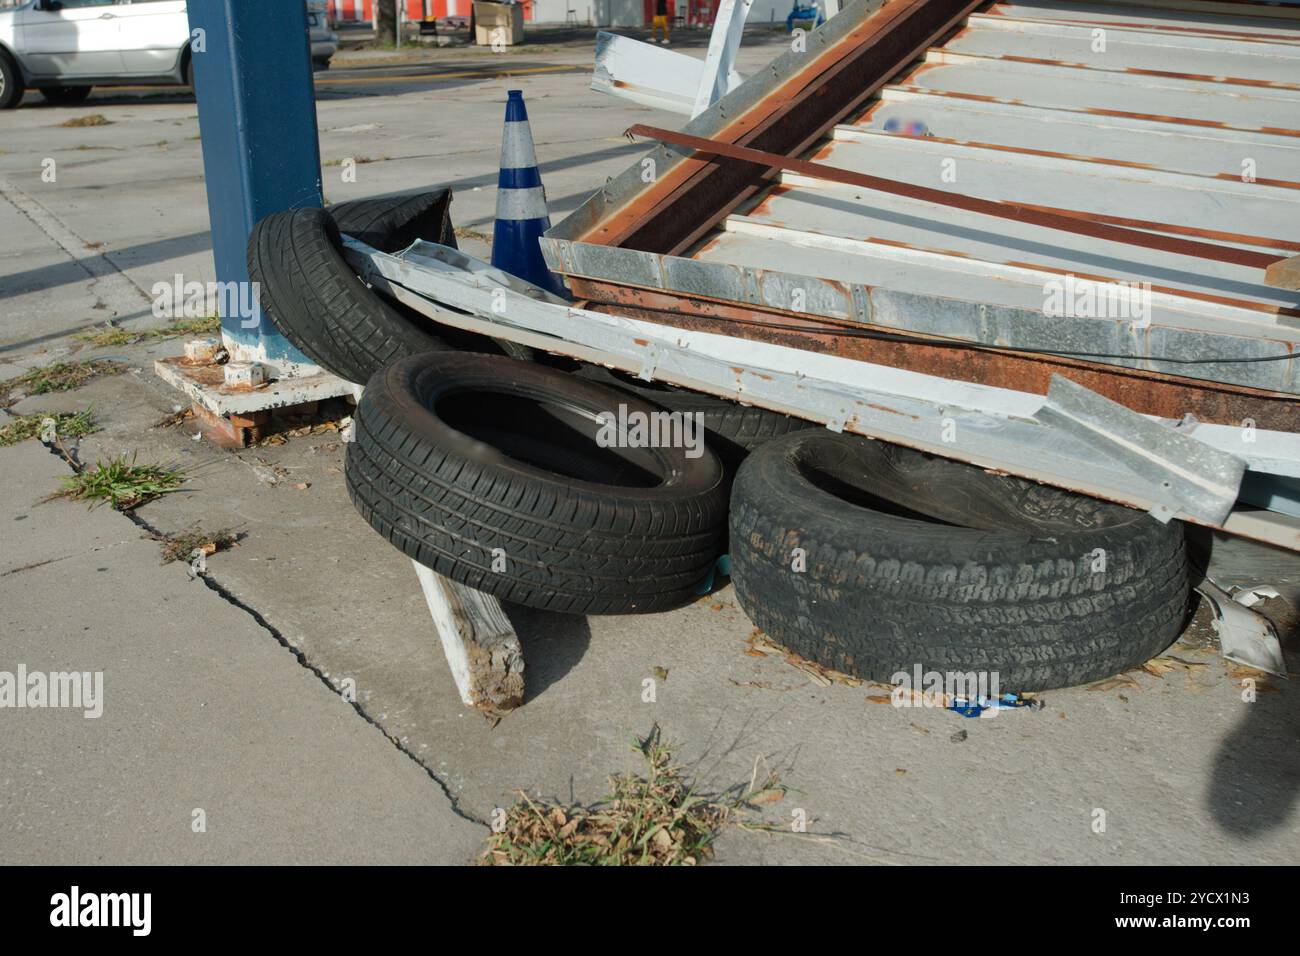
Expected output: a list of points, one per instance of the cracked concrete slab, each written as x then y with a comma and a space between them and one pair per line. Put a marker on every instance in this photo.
203, 712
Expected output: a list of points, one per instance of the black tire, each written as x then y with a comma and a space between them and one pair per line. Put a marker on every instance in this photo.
187, 71
317, 302
912, 559
65, 95
11, 82
731, 428
393, 223
454, 455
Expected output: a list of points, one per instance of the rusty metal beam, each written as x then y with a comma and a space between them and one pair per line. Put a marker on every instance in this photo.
693, 196
1151, 393
1030, 215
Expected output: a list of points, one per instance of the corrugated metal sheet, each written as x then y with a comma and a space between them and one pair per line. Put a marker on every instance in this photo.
1183, 113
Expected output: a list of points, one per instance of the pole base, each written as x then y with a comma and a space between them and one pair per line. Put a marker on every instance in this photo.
230, 409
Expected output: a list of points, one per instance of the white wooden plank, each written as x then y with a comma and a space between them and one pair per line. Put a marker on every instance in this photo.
478, 641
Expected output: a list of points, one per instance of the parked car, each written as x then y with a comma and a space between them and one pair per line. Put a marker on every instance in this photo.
65, 47
324, 41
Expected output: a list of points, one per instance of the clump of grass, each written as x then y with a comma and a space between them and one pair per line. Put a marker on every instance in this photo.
122, 483
181, 546
60, 377
110, 335
655, 819
66, 425
93, 119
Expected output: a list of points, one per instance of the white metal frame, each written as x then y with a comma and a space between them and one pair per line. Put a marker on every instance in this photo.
992, 427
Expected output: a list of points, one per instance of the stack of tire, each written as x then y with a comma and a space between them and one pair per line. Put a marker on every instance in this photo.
866, 557
486, 467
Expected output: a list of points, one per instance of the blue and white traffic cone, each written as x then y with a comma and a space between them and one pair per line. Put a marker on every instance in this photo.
521, 203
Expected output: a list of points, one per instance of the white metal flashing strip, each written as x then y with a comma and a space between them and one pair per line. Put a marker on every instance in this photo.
990, 427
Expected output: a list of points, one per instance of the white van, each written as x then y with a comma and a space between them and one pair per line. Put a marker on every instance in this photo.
64, 47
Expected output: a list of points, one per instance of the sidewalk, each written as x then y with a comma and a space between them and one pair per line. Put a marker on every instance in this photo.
202, 711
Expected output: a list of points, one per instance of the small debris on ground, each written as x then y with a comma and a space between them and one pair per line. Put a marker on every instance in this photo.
47, 425
177, 417
760, 645
94, 119
282, 437
182, 545
462, 232
267, 471
1112, 683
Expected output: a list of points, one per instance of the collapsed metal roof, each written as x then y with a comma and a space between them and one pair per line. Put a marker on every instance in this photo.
790, 250
1179, 118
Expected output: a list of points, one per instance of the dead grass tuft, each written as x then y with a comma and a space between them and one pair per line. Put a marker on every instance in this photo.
109, 335
92, 119
654, 819
59, 377
65, 425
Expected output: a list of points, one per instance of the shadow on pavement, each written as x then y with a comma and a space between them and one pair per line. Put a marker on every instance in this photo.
552, 644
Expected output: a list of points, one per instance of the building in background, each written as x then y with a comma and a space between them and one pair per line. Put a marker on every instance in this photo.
363, 11
601, 13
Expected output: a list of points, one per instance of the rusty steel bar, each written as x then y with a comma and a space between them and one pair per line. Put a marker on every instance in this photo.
1033, 216
686, 203
1287, 245
1151, 393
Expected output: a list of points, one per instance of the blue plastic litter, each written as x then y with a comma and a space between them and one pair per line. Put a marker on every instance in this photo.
974, 707
721, 566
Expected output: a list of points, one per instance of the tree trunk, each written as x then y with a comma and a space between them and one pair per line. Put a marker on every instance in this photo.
386, 21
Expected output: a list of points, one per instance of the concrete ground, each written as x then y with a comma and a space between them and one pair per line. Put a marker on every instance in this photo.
220, 694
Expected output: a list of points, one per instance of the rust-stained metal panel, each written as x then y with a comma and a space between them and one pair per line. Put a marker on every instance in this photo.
1151, 393
673, 213
1178, 118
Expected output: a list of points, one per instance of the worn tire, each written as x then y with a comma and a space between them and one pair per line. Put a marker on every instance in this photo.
1003, 583
392, 223
315, 299
11, 82
731, 428
455, 455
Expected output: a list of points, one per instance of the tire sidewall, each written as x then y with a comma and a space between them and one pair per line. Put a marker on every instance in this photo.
406, 389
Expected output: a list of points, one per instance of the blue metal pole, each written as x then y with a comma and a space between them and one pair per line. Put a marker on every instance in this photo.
261, 152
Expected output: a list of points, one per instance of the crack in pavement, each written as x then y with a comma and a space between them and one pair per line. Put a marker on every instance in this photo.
63, 557
229, 597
